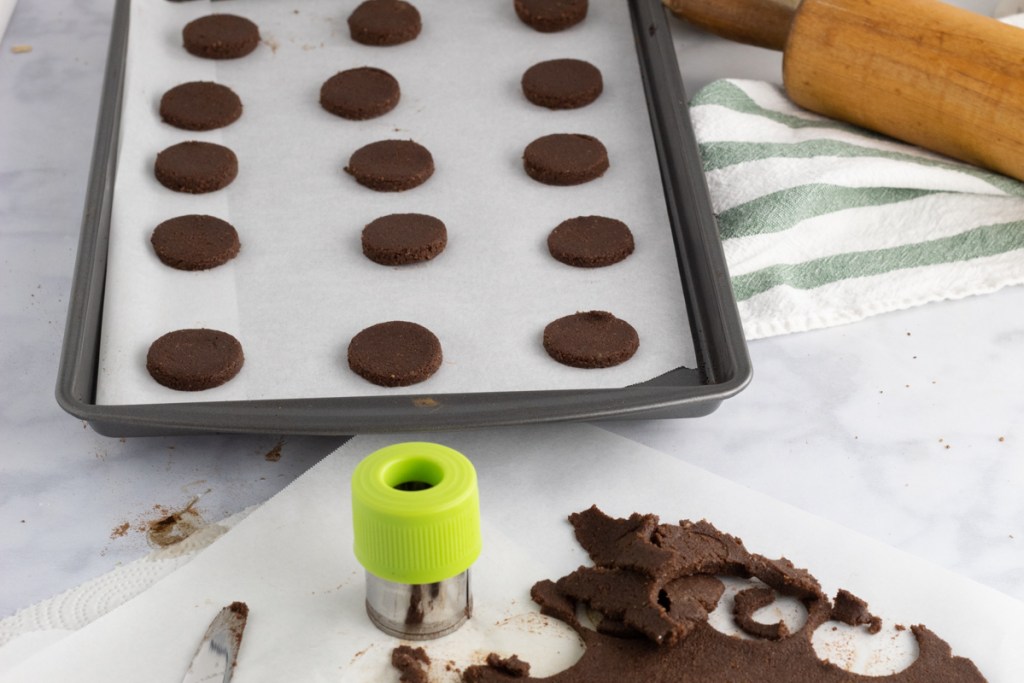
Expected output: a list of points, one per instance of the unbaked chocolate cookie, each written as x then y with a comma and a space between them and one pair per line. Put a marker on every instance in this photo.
200, 105
359, 94
395, 354
403, 238
384, 22
562, 83
565, 159
196, 167
591, 241
194, 359
195, 242
391, 165
548, 16
221, 36
595, 339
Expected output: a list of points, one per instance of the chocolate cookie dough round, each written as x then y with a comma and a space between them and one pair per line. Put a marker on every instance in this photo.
565, 159
549, 16
384, 22
195, 242
359, 94
220, 36
395, 354
403, 238
196, 167
591, 241
194, 359
391, 165
595, 339
200, 105
562, 83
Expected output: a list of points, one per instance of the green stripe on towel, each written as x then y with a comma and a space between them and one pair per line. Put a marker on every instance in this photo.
984, 241
782, 210
718, 155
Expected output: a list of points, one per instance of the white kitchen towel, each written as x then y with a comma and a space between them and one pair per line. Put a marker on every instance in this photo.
824, 223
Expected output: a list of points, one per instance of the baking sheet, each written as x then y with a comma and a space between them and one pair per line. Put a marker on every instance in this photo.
291, 562
301, 288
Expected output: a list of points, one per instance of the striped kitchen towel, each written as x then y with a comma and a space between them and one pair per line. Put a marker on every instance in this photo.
824, 223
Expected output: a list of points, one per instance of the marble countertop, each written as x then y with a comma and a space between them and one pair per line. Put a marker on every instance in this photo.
906, 427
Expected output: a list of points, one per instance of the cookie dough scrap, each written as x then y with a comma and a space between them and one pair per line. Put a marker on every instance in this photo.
652, 588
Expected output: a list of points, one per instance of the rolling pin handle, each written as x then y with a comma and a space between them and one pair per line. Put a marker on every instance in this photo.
764, 23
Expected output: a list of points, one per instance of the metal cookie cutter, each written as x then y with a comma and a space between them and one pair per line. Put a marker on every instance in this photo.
416, 524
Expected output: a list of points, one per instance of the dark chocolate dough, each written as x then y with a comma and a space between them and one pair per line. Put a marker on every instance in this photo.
853, 611
200, 105
195, 242
403, 238
513, 666
591, 241
548, 16
395, 354
384, 22
595, 339
221, 36
638, 560
749, 601
562, 83
361, 93
412, 663
194, 359
565, 159
391, 165
196, 167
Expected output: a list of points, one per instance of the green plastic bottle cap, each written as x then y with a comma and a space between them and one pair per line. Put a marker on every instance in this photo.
416, 513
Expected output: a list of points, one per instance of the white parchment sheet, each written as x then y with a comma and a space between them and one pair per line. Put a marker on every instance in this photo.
291, 561
301, 288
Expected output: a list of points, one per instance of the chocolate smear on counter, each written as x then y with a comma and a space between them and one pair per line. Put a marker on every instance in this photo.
175, 526
274, 454
652, 589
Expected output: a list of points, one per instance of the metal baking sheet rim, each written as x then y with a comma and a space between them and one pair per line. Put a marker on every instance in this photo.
723, 362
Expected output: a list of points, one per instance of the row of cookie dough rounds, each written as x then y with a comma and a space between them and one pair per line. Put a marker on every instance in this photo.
390, 354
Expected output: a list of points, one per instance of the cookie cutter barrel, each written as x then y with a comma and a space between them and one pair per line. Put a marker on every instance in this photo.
416, 525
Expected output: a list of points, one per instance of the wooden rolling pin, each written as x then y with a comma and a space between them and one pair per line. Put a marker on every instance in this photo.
922, 71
